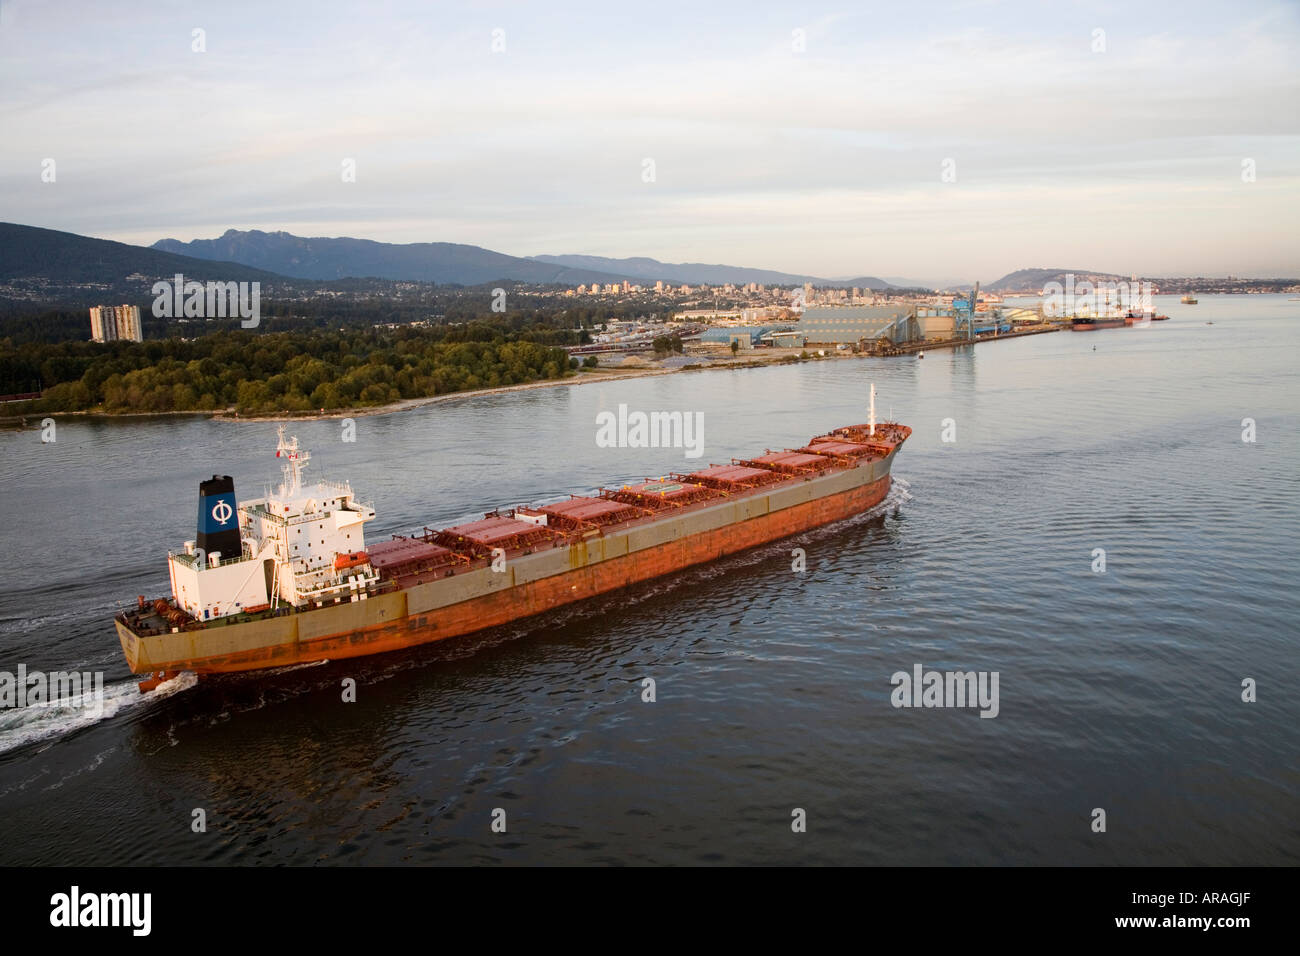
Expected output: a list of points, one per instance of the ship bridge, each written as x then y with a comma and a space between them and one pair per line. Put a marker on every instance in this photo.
290, 544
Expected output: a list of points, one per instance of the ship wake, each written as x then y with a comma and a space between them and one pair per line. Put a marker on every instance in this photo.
45, 723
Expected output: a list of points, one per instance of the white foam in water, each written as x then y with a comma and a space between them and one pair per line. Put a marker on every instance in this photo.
20, 726
289, 668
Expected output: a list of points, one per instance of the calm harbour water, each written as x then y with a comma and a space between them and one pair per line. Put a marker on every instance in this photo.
1119, 690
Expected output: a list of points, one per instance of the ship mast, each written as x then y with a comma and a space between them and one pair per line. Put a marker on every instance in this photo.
871, 415
294, 462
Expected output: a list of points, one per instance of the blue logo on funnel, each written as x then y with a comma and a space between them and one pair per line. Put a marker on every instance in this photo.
217, 513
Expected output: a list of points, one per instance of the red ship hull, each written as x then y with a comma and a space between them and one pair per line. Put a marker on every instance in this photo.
404, 628
1099, 324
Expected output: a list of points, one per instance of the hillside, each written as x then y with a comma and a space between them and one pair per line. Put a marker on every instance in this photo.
65, 258
455, 263
335, 258
1027, 280
695, 273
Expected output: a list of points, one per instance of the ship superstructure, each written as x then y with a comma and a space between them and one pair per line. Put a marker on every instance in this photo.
302, 545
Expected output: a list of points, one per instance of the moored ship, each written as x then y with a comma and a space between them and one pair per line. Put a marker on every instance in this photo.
1087, 323
289, 578
1141, 316
1126, 318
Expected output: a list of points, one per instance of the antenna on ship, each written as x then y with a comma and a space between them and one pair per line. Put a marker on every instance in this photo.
871, 415
294, 462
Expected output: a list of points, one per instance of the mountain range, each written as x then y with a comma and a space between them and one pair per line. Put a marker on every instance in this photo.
30, 252
1024, 280
448, 263
696, 273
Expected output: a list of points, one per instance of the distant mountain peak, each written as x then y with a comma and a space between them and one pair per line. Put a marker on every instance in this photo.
701, 273
1035, 279
457, 263
65, 257
344, 257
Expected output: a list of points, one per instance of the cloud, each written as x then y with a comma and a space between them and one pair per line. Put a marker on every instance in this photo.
825, 161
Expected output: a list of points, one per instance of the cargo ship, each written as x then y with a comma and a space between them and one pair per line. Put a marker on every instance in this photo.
1087, 323
1125, 318
289, 578
1143, 316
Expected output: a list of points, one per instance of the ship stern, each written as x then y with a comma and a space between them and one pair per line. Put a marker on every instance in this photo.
130, 647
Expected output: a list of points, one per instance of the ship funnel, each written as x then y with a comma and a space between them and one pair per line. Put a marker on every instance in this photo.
218, 516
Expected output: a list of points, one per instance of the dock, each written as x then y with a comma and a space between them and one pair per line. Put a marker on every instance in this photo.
911, 348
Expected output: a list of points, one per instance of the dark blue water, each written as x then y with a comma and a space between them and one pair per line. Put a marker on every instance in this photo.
1120, 690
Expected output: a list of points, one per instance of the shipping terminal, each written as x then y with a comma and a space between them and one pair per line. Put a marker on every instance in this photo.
289, 578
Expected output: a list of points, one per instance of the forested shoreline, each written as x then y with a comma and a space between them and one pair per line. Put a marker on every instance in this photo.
283, 371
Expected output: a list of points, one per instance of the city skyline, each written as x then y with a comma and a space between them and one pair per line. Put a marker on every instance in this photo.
1165, 144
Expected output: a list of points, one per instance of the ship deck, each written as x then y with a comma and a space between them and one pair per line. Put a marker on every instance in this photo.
409, 560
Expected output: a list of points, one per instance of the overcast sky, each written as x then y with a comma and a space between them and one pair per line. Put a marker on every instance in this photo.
827, 159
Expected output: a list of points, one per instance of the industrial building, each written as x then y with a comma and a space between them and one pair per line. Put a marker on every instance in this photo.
856, 323
882, 327
751, 336
787, 339
898, 324
935, 325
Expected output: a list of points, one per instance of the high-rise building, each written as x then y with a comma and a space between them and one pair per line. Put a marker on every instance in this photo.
128, 323
115, 323
97, 315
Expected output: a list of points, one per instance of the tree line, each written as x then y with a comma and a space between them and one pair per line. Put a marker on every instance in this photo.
284, 371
